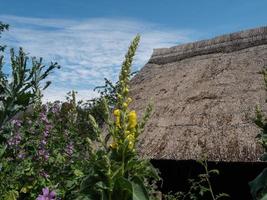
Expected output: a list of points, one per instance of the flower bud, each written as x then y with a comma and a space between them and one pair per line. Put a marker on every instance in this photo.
129, 100
124, 105
116, 112
132, 119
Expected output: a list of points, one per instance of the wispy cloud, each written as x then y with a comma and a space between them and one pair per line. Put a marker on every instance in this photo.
88, 50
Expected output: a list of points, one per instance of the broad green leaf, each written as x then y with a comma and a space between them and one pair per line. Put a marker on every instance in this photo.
264, 197
139, 192
258, 184
264, 157
124, 184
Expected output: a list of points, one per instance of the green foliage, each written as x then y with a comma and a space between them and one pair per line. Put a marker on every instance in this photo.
23, 87
258, 187
200, 188
11, 195
44, 150
261, 122
114, 170
108, 91
61, 146
3, 27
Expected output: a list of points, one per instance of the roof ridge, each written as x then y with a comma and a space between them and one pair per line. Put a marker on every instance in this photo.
221, 44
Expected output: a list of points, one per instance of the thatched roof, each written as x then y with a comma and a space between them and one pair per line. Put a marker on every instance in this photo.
204, 96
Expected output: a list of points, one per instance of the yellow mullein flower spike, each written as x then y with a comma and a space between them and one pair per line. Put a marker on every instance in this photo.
132, 119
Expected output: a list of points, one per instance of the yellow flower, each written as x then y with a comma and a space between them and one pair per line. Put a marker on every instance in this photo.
119, 96
131, 141
130, 138
113, 145
117, 112
131, 145
132, 119
129, 100
118, 122
127, 133
125, 105
126, 90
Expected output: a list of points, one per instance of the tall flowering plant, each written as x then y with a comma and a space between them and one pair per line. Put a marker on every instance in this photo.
44, 152
114, 170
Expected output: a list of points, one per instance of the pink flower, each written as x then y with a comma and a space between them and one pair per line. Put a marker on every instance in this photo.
47, 195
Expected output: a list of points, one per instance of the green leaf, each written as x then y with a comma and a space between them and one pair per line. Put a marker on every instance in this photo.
60, 159
2, 150
78, 173
11, 195
264, 197
101, 185
223, 195
258, 184
124, 184
264, 157
214, 171
139, 191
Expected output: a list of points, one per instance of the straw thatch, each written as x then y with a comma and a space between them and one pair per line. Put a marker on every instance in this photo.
204, 96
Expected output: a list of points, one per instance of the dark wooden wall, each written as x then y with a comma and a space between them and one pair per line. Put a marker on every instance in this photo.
233, 178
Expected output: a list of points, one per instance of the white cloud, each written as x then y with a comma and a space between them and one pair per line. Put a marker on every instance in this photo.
88, 50
54, 94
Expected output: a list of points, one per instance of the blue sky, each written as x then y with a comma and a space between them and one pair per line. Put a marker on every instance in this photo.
89, 38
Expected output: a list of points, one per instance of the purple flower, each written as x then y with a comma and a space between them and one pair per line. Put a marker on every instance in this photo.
43, 117
43, 142
69, 149
16, 123
48, 127
14, 140
44, 174
55, 109
43, 153
47, 195
46, 133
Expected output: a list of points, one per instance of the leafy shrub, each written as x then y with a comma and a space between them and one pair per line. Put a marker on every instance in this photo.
44, 150
23, 88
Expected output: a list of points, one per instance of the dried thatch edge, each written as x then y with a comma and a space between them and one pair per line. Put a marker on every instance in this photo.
224, 44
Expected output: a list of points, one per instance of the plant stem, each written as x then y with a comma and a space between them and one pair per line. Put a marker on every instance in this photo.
208, 181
